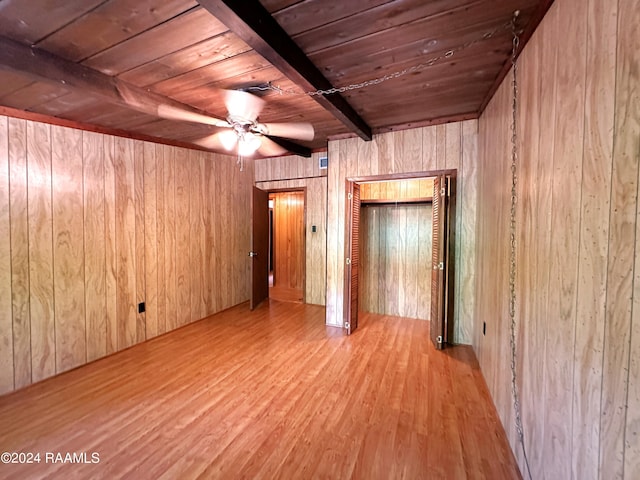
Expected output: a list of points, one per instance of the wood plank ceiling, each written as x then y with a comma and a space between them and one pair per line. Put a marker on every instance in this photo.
73, 60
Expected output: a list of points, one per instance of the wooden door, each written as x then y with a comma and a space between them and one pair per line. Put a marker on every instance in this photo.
288, 246
439, 242
449, 203
259, 247
352, 266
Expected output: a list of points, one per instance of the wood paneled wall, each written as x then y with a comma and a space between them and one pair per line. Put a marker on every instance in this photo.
395, 259
290, 167
450, 146
297, 172
397, 190
578, 234
91, 225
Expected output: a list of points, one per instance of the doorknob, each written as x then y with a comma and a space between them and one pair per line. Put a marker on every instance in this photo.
253, 254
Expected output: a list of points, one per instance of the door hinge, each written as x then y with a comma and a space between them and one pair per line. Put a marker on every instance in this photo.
348, 261
441, 266
443, 191
347, 325
439, 339
350, 196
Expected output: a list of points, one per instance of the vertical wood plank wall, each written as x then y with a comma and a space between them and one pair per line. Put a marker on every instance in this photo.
397, 190
395, 253
450, 146
298, 172
6, 315
395, 248
578, 308
91, 225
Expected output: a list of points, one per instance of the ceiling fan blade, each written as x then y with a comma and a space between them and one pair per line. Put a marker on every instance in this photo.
243, 105
292, 147
163, 110
297, 131
221, 141
174, 113
269, 148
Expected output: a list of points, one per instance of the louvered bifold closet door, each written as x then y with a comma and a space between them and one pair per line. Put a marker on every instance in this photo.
437, 272
352, 266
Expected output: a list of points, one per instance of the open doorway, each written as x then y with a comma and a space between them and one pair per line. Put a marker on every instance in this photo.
287, 245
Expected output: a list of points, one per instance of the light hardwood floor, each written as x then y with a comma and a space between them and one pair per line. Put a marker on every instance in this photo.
272, 393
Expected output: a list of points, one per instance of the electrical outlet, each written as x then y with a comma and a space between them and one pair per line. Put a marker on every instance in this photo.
484, 328
141, 307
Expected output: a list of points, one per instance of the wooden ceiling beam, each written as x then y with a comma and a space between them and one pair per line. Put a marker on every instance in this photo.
254, 24
43, 66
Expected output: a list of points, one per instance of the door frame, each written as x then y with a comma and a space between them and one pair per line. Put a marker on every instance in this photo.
402, 176
450, 248
304, 234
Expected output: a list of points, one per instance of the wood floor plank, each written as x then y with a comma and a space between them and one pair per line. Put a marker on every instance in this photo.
269, 393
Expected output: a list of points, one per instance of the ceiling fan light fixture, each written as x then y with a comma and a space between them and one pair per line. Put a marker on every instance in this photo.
248, 143
228, 139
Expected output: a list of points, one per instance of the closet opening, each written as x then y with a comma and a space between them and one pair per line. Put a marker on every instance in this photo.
399, 258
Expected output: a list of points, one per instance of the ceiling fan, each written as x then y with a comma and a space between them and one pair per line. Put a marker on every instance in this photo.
241, 132
247, 134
